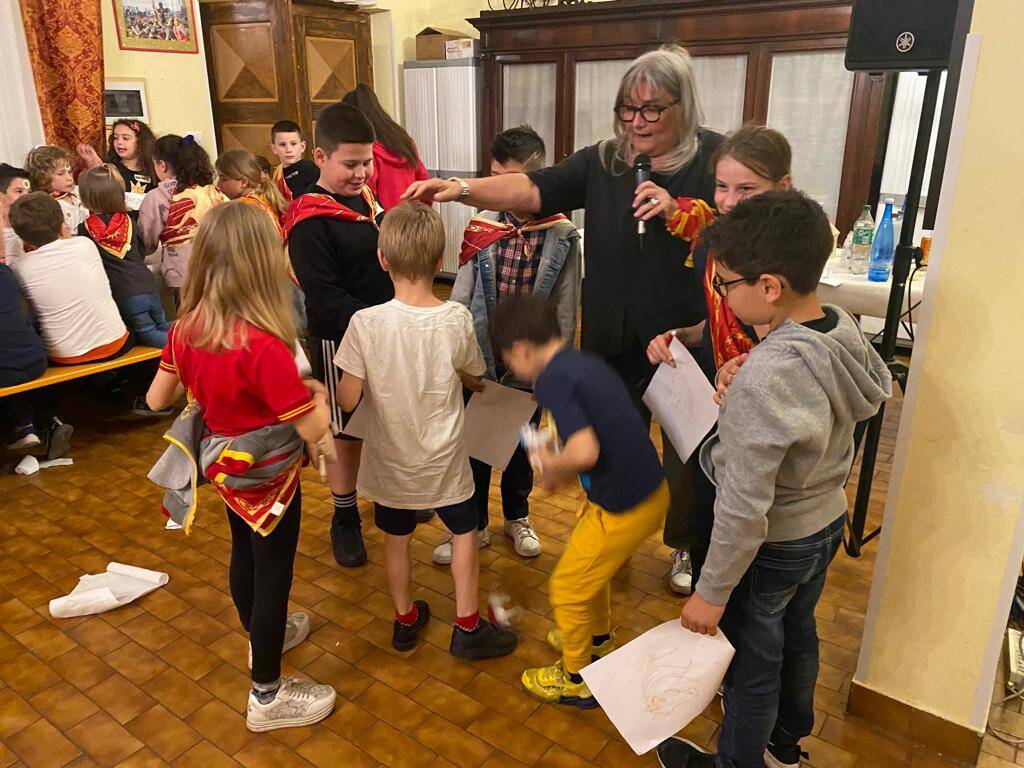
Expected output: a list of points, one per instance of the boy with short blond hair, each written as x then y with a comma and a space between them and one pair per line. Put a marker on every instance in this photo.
409, 358
50, 169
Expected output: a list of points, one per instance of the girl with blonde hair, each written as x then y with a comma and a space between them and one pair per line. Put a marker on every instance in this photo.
249, 413
240, 177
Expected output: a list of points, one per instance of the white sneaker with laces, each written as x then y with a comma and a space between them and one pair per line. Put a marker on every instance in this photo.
680, 578
297, 703
524, 538
443, 552
296, 629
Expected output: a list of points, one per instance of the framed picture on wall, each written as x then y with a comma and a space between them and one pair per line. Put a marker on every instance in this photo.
156, 25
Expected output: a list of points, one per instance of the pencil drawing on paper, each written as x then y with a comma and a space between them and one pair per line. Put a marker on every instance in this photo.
665, 686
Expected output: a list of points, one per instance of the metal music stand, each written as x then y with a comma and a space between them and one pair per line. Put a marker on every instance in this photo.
906, 254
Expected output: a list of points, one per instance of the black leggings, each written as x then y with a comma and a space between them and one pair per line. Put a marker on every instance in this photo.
261, 578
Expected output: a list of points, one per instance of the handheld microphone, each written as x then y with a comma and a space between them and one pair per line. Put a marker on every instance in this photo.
642, 166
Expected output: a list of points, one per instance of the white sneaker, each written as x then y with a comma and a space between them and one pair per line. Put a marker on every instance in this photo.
680, 578
443, 551
298, 702
296, 629
524, 538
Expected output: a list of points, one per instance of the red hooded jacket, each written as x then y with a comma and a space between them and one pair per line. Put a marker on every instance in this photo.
392, 175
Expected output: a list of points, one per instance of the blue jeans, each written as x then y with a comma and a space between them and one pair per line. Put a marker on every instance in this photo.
144, 315
769, 688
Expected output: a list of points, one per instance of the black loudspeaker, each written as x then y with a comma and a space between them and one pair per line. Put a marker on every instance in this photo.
901, 34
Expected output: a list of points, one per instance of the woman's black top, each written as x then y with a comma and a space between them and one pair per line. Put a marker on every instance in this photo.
629, 295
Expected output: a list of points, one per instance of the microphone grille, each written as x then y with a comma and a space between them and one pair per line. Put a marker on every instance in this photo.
642, 160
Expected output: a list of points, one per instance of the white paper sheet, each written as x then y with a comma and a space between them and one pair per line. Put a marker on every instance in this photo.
119, 585
358, 421
652, 687
681, 399
493, 419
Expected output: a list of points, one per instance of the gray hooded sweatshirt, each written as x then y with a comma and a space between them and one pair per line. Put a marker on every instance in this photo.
784, 444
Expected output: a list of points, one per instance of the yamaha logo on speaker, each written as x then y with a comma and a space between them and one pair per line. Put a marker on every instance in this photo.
905, 42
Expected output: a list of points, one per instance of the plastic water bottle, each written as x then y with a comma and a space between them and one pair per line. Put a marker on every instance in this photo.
880, 267
863, 236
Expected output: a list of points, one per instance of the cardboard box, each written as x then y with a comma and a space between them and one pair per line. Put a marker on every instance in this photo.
462, 48
431, 41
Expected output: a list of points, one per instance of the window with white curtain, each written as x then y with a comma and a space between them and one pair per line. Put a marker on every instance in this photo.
529, 99
899, 153
721, 85
809, 102
21, 127
597, 83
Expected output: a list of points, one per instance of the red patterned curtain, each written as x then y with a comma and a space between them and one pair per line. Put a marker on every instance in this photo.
65, 44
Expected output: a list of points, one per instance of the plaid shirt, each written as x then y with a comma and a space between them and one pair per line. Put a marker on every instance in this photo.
517, 259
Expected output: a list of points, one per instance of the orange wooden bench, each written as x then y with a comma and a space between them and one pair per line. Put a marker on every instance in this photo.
58, 374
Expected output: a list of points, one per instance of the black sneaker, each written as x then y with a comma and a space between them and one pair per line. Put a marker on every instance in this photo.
403, 637
140, 408
424, 515
58, 438
680, 753
349, 550
776, 756
485, 642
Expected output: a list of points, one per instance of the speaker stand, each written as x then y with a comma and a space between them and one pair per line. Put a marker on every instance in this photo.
906, 254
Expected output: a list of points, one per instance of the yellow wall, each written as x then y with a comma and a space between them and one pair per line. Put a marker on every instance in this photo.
952, 542
177, 89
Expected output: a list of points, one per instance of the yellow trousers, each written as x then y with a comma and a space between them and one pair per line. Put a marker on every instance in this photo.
581, 591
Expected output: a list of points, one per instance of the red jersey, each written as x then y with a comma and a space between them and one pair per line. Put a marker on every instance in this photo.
240, 389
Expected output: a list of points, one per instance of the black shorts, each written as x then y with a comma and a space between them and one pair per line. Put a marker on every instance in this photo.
322, 352
458, 518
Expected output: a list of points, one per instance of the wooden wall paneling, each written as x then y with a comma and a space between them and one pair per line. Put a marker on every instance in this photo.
862, 141
332, 56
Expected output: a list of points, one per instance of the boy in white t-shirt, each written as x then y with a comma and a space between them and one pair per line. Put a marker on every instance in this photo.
409, 357
64, 281
13, 184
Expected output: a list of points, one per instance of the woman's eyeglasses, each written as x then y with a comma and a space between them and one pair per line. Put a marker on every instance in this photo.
722, 286
651, 113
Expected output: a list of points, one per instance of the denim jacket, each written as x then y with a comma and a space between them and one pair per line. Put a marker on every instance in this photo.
559, 276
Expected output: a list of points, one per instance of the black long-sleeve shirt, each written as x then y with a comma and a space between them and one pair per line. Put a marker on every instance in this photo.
336, 265
629, 296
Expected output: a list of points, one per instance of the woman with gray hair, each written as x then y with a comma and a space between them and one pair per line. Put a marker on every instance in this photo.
632, 290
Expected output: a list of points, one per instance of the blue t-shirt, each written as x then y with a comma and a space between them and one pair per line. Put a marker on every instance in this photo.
22, 354
581, 390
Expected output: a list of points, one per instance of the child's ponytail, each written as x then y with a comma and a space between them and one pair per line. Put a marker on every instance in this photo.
186, 158
242, 164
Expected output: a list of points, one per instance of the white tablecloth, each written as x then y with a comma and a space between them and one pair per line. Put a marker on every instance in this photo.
859, 295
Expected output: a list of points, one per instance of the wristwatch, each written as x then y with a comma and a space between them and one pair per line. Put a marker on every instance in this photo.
463, 184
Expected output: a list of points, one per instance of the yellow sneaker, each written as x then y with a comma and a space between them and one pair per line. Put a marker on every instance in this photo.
553, 684
596, 651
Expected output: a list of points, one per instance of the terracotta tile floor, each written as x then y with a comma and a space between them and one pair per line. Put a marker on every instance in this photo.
163, 681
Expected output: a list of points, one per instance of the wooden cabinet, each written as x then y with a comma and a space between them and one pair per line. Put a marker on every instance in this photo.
774, 62
270, 60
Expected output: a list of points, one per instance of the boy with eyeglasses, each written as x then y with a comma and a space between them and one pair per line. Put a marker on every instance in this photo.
779, 460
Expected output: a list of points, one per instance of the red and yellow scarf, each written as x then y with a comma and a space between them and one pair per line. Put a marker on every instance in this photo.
114, 236
728, 339
312, 204
258, 200
187, 209
481, 233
